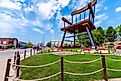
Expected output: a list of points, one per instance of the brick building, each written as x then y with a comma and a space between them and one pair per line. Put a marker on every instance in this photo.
4, 42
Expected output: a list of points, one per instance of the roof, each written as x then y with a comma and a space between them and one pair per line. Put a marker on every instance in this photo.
79, 27
8, 38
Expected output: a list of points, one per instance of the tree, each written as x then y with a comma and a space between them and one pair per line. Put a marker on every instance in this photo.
118, 30
100, 29
110, 34
29, 44
99, 35
48, 44
84, 39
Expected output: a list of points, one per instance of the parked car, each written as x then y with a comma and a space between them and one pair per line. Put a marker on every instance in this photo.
23, 47
118, 47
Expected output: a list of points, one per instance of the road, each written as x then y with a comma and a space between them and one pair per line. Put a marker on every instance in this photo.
4, 55
10, 53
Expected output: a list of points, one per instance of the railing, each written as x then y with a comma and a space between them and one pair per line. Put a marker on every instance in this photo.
16, 61
16, 65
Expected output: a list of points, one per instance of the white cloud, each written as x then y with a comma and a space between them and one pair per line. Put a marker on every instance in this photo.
106, 8
45, 9
100, 18
63, 3
118, 9
99, 5
48, 9
51, 31
10, 26
9, 4
38, 30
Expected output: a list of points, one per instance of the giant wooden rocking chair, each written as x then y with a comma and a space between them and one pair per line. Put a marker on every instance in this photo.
85, 24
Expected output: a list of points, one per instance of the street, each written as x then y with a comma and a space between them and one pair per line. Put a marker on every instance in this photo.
10, 53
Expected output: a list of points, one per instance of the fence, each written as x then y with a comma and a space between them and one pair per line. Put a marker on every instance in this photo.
16, 61
17, 66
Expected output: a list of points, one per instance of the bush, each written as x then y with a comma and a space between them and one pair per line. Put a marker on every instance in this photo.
29, 45
65, 44
10, 45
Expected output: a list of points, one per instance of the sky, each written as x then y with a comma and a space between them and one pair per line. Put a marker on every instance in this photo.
40, 20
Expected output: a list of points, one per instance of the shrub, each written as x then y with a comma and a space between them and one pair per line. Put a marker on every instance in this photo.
10, 45
29, 44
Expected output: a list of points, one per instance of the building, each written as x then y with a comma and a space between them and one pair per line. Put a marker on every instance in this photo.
6, 42
55, 43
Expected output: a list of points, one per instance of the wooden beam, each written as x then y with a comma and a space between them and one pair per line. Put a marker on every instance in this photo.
67, 21
69, 36
74, 38
69, 40
91, 10
83, 8
63, 39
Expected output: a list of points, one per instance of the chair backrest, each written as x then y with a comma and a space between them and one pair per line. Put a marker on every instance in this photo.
90, 7
93, 3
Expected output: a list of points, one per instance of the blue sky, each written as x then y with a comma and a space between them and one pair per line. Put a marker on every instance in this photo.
38, 20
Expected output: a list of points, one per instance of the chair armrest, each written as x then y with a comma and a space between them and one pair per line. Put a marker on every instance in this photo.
67, 21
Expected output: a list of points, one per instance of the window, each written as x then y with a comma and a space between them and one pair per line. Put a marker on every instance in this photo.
4, 42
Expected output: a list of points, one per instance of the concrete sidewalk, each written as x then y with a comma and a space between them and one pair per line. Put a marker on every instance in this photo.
3, 61
2, 68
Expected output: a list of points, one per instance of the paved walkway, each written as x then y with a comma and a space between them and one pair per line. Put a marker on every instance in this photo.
4, 55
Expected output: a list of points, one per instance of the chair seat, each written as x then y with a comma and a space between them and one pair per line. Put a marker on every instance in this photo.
79, 27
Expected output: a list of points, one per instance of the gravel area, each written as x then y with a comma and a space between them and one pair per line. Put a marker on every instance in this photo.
64, 53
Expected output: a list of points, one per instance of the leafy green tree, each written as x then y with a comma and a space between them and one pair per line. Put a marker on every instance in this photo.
110, 34
99, 35
118, 30
29, 44
100, 29
83, 39
48, 44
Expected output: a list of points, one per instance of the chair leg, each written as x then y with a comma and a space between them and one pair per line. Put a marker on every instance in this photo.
63, 39
90, 36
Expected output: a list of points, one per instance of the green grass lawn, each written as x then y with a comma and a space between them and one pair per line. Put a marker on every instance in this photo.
35, 73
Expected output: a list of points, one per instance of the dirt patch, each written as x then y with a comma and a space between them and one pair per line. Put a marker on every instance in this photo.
64, 53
